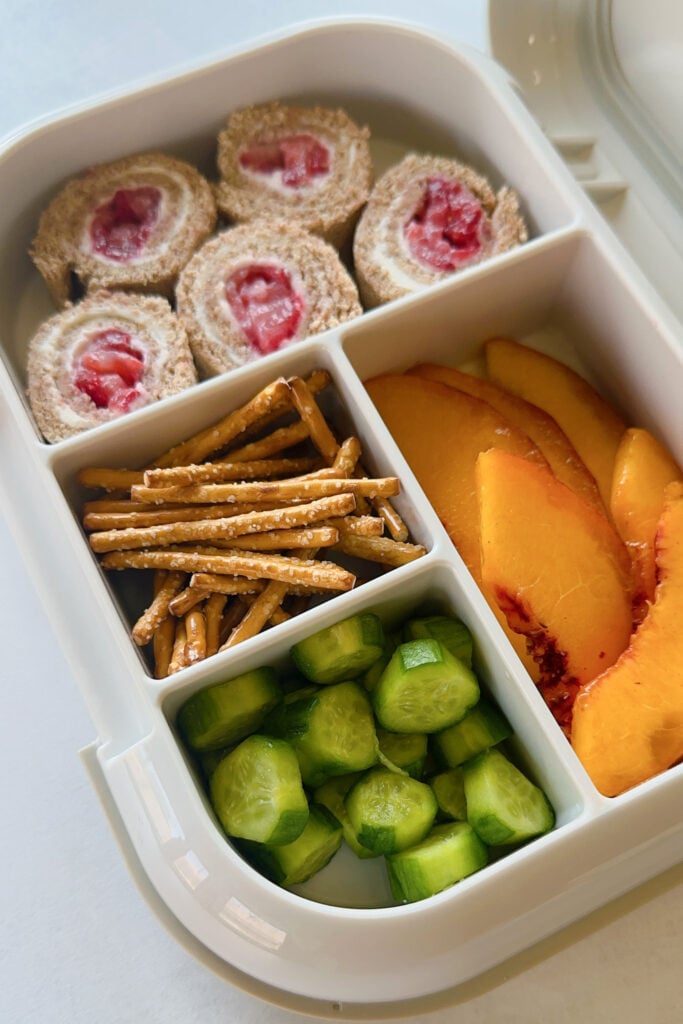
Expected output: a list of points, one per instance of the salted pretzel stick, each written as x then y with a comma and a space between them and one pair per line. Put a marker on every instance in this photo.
234, 612
186, 600
380, 549
284, 540
166, 589
213, 611
395, 525
316, 381
198, 447
178, 654
270, 490
228, 585
156, 516
253, 565
162, 646
277, 441
195, 630
318, 428
359, 526
218, 472
258, 614
221, 529
110, 479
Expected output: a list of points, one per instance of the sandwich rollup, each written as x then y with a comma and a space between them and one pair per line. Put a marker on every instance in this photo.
426, 218
103, 357
310, 165
257, 287
131, 224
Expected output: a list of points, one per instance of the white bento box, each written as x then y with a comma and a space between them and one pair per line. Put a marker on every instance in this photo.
570, 290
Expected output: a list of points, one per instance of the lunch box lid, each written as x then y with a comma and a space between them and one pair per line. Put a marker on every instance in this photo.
605, 82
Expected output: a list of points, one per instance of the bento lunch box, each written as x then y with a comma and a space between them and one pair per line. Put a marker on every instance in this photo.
571, 290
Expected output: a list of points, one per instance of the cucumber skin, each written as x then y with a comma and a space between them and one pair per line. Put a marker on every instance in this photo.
498, 826
325, 657
296, 862
450, 853
289, 820
210, 720
449, 631
399, 698
483, 726
331, 795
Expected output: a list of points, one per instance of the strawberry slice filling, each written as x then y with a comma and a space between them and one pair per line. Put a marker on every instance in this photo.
109, 370
122, 225
299, 158
449, 228
265, 305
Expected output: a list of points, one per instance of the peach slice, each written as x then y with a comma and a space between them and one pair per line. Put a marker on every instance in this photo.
642, 470
591, 424
558, 571
441, 431
541, 428
628, 722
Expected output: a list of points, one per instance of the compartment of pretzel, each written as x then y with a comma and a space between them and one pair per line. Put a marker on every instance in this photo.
245, 523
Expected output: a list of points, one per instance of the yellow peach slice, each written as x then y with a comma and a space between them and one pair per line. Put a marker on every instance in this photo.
628, 722
591, 424
562, 457
558, 571
642, 470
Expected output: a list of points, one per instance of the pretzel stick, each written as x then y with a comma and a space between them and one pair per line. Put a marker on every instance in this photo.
187, 599
316, 381
156, 516
318, 429
380, 549
227, 585
279, 440
234, 612
253, 565
269, 490
178, 658
217, 472
166, 589
213, 611
220, 529
162, 646
257, 615
195, 629
395, 525
281, 540
359, 526
110, 479
220, 434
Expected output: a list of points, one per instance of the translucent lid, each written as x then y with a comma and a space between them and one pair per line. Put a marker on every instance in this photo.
605, 81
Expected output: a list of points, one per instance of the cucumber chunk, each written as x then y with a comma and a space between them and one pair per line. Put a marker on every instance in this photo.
449, 631
226, 712
449, 790
331, 795
449, 853
482, 727
390, 812
331, 729
503, 805
342, 651
257, 793
405, 750
299, 860
424, 688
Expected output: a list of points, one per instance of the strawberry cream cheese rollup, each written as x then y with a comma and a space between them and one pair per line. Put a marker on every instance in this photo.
131, 224
426, 218
255, 288
310, 165
103, 357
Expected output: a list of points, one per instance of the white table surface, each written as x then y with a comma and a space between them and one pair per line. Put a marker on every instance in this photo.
78, 943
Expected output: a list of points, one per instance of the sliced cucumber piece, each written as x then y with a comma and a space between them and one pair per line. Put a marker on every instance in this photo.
449, 853
257, 793
424, 688
449, 790
482, 727
390, 812
449, 631
225, 713
503, 805
342, 651
331, 795
299, 860
405, 750
332, 730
